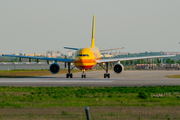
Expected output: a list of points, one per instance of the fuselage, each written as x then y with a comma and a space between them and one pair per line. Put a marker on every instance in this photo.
85, 58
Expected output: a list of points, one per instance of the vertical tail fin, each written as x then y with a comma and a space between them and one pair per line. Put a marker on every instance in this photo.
93, 32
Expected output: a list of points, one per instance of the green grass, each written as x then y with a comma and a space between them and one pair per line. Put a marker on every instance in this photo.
29, 73
173, 76
160, 102
39, 97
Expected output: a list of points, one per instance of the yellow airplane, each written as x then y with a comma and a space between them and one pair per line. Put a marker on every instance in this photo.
86, 58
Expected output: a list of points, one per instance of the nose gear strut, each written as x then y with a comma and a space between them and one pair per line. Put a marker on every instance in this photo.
83, 74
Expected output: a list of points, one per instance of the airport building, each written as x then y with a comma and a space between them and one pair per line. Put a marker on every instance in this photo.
70, 53
53, 53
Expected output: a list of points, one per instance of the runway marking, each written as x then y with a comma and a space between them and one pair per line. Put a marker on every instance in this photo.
47, 81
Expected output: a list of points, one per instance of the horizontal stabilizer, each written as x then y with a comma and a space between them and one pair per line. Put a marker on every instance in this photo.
71, 48
111, 49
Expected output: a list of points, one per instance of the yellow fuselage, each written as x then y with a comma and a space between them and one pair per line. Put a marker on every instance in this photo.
85, 58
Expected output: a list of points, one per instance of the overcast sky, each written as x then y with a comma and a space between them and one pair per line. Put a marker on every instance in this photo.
34, 26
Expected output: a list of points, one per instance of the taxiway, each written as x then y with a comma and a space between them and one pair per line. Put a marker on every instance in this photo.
95, 78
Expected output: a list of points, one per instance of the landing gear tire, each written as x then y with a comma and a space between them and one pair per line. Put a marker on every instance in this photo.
69, 75
83, 76
106, 75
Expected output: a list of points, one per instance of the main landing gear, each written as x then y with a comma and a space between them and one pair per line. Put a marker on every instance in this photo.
69, 74
106, 69
83, 74
106, 75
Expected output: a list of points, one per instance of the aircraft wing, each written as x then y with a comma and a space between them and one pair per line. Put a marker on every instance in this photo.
131, 58
40, 58
111, 49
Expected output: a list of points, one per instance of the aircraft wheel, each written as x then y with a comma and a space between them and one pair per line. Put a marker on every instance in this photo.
67, 75
108, 75
104, 75
83, 76
71, 75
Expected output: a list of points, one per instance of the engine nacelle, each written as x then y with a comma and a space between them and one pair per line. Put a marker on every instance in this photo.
54, 68
118, 68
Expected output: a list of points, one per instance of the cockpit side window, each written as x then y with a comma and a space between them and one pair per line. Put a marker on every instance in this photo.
83, 55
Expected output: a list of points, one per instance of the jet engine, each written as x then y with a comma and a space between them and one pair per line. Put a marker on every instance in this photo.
54, 68
118, 68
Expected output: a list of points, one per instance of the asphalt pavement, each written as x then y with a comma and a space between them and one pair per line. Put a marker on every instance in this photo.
95, 78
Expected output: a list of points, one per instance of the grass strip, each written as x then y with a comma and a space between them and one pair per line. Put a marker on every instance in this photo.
30, 73
40, 97
173, 76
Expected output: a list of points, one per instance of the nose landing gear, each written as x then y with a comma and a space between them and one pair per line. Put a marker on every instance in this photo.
83, 74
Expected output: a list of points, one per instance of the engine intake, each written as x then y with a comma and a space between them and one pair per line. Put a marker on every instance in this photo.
54, 68
118, 68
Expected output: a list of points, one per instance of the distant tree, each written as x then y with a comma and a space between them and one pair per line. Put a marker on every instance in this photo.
131, 62
36, 60
178, 61
1, 60
127, 63
168, 61
123, 62
65, 57
164, 60
142, 61
155, 61
172, 62
158, 60
13, 60
137, 62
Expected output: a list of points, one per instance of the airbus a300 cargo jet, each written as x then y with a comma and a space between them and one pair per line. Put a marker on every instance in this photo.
86, 58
